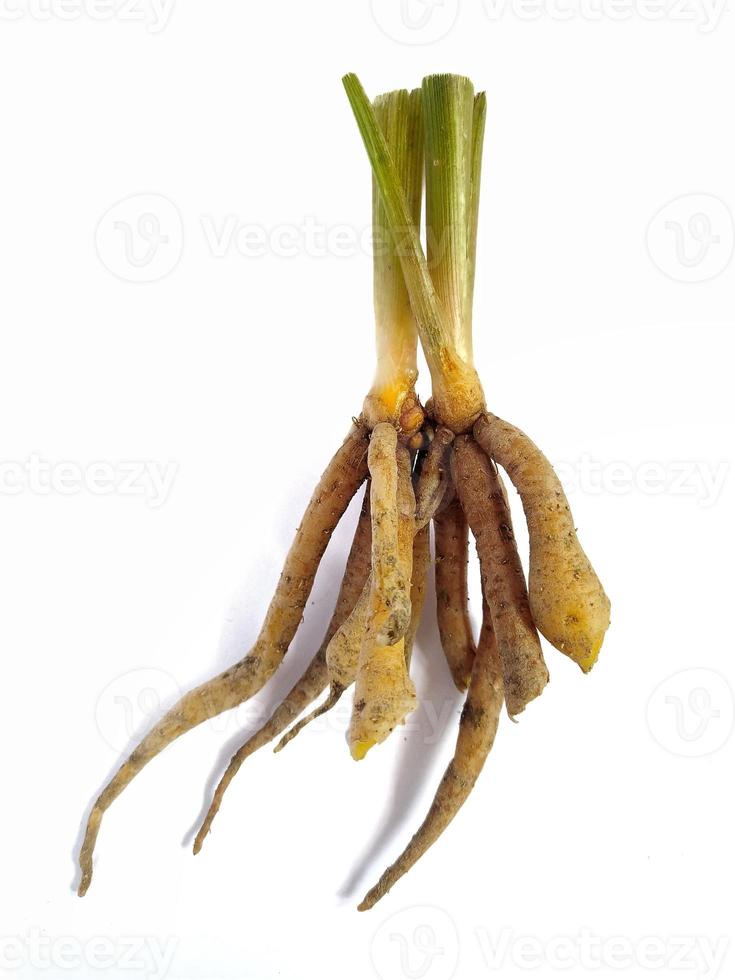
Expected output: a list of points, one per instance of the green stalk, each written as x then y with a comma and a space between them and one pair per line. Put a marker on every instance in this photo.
457, 393
424, 300
400, 119
478, 136
448, 107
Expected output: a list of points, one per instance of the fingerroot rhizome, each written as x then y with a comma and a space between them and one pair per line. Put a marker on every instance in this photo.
416, 467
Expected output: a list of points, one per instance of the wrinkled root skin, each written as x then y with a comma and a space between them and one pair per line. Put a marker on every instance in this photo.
406, 509
452, 612
344, 649
477, 729
314, 679
504, 586
384, 692
568, 602
391, 586
430, 479
335, 693
369, 640
419, 572
309, 686
345, 473
433, 476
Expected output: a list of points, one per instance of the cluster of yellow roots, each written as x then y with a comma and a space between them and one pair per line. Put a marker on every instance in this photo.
454, 482
442, 469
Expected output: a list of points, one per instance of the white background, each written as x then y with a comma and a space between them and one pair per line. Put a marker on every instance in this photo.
599, 838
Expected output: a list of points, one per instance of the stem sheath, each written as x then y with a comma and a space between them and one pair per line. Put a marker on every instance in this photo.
458, 396
448, 104
392, 396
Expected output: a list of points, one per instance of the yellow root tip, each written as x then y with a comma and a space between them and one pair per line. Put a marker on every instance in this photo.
361, 747
587, 659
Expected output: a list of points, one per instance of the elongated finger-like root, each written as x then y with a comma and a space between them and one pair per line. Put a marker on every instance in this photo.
384, 693
343, 643
420, 566
568, 601
314, 679
504, 586
333, 696
477, 728
342, 653
433, 476
344, 648
430, 481
451, 535
390, 586
311, 683
348, 643
338, 484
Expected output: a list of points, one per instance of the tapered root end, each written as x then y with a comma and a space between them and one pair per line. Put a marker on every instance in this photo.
461, 675
361, 747
372, 898
576, 629
587, 658
86, 854
229, 774
207, 824
86, 867
373, 721
332, 698
523, 687
290, 734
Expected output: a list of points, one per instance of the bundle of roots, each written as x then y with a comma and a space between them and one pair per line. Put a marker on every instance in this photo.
435, 466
